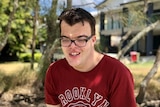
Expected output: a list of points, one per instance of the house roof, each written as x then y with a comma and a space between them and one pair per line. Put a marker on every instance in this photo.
108, 5
141, 2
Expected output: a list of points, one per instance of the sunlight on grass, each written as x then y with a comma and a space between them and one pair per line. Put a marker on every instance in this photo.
139, 71
9, 68
15, 74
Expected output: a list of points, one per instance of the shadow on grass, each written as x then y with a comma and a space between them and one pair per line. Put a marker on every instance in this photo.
20, 78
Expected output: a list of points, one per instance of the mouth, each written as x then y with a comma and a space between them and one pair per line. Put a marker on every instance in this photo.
74, 54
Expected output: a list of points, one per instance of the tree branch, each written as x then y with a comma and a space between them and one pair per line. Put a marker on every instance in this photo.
136, 38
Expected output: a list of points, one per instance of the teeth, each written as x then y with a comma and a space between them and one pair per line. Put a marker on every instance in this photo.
74, 54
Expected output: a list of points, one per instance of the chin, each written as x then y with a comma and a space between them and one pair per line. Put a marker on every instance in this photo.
73, 63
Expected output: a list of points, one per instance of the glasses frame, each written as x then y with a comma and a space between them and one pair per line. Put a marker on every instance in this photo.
73, 41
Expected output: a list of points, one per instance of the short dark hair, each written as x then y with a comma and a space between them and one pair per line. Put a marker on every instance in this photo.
76, 15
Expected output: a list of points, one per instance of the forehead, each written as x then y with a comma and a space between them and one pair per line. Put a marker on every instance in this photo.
76, 29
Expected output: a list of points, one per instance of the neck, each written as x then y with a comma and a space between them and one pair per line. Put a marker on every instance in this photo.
91, 63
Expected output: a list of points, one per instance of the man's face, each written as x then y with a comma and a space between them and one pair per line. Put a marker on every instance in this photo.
77, 56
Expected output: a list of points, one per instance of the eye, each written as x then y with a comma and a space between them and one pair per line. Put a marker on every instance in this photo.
65, 39
82, 37
81, 40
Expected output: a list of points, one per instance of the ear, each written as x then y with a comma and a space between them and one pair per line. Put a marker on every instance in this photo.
94, 39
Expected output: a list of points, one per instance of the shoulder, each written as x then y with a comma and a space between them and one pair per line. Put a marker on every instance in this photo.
113, 61
115, 65
118, 72
57, 65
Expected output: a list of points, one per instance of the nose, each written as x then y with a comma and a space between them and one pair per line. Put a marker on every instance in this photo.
72, 42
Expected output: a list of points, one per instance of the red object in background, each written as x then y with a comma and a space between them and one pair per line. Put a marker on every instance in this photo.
134, 56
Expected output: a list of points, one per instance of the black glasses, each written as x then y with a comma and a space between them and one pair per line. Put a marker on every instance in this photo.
81, 41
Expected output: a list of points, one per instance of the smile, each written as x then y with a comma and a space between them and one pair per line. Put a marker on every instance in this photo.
74, 54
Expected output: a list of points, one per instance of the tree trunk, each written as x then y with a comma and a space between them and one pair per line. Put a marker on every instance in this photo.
136, 38
52, 34
47, 59
69, 3
125, 37
35, 28
147, 78
8, 27
52, 42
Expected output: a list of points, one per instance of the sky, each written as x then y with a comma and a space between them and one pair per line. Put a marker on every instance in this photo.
89, 5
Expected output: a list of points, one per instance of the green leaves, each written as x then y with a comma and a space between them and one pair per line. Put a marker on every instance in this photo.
3, 19
21, 25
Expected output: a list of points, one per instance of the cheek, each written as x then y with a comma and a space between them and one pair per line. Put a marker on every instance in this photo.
90, 45
88, 48
64, 50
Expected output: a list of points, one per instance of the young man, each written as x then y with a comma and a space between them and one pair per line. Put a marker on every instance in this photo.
86, 78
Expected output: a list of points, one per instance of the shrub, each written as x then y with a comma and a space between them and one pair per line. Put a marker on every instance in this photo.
37, 57
26, 57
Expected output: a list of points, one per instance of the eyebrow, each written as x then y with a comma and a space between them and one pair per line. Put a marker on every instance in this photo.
63, 36
80, 36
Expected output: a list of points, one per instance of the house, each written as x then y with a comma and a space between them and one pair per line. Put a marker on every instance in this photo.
112, 26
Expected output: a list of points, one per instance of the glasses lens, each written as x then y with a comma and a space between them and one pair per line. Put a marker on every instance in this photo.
65, 41
80, 42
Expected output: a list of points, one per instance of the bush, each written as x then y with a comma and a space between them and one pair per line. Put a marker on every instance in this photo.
26, 57
37, 57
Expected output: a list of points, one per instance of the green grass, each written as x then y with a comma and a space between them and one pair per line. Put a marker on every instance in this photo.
139, 71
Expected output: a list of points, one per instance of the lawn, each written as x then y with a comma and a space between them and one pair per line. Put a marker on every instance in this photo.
18, 74
139, 71
10, 68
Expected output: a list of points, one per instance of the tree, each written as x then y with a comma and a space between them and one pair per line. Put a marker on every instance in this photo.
147, 78
69, 3
136, 38
135, 16
153, 71
52, 33
10, 19
130, 17
35, 29
16, 27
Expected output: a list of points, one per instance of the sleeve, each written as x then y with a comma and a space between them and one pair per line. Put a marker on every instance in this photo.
51, 96
122, 88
